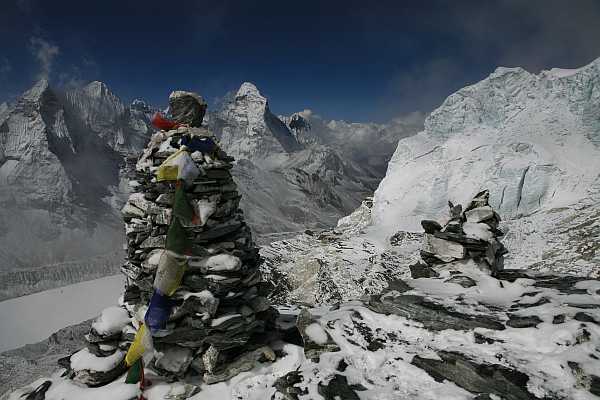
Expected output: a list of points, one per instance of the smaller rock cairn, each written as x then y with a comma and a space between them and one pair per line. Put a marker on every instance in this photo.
469, 234
193, 300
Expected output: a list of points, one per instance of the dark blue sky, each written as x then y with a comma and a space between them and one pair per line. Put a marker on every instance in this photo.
348, 60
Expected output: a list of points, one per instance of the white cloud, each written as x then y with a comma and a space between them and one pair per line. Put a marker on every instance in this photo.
45, 53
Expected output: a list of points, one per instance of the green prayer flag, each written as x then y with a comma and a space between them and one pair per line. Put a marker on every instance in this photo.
182, 208
177, 240
136, 372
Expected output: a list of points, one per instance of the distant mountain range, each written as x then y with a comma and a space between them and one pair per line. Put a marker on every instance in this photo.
63, 174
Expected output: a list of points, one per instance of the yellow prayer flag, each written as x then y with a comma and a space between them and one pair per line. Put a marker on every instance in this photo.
141, 344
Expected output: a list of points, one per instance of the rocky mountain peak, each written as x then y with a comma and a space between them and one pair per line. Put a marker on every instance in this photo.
140, 105
98, 89
248, 129
250, 91
249, 101
97, 94
298, 122
37, 90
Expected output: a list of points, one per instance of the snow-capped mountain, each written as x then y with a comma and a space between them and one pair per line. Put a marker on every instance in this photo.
61, 155
248, 130
290, 183
369, 144
532, 140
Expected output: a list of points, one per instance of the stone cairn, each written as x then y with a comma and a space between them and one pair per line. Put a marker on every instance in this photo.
201, 312
469, 234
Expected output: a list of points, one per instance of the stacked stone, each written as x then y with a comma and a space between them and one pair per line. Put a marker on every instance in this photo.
220, 313
469, 234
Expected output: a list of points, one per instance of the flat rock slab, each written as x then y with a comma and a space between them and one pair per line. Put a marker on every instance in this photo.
529, 321
421, 270
432, 315
488, 379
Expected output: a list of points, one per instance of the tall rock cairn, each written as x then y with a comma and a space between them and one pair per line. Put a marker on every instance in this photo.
193, 302
469, 234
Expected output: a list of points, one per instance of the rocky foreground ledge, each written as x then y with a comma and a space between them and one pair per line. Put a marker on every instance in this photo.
458, 335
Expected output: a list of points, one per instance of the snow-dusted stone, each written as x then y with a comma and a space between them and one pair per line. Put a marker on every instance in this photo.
479, 214
477, 231
83, 360
94, 371
201, 302
315, 337
245, 362
204, 208
138, 200
223, 262
165, 199
152, 260
174, 359
445, 250
130, 211
111, 321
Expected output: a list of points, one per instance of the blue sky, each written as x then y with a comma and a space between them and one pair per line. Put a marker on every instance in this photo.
350, 60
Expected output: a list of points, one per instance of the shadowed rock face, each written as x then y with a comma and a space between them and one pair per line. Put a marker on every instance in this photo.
60, 160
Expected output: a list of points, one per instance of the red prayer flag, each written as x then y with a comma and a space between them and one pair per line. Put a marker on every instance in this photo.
160, 122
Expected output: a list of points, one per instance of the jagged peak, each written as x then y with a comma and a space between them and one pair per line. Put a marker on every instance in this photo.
501, 71
137, 102
306, 114
37, 90
140, 105
248, 89
299, 122
98, 89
